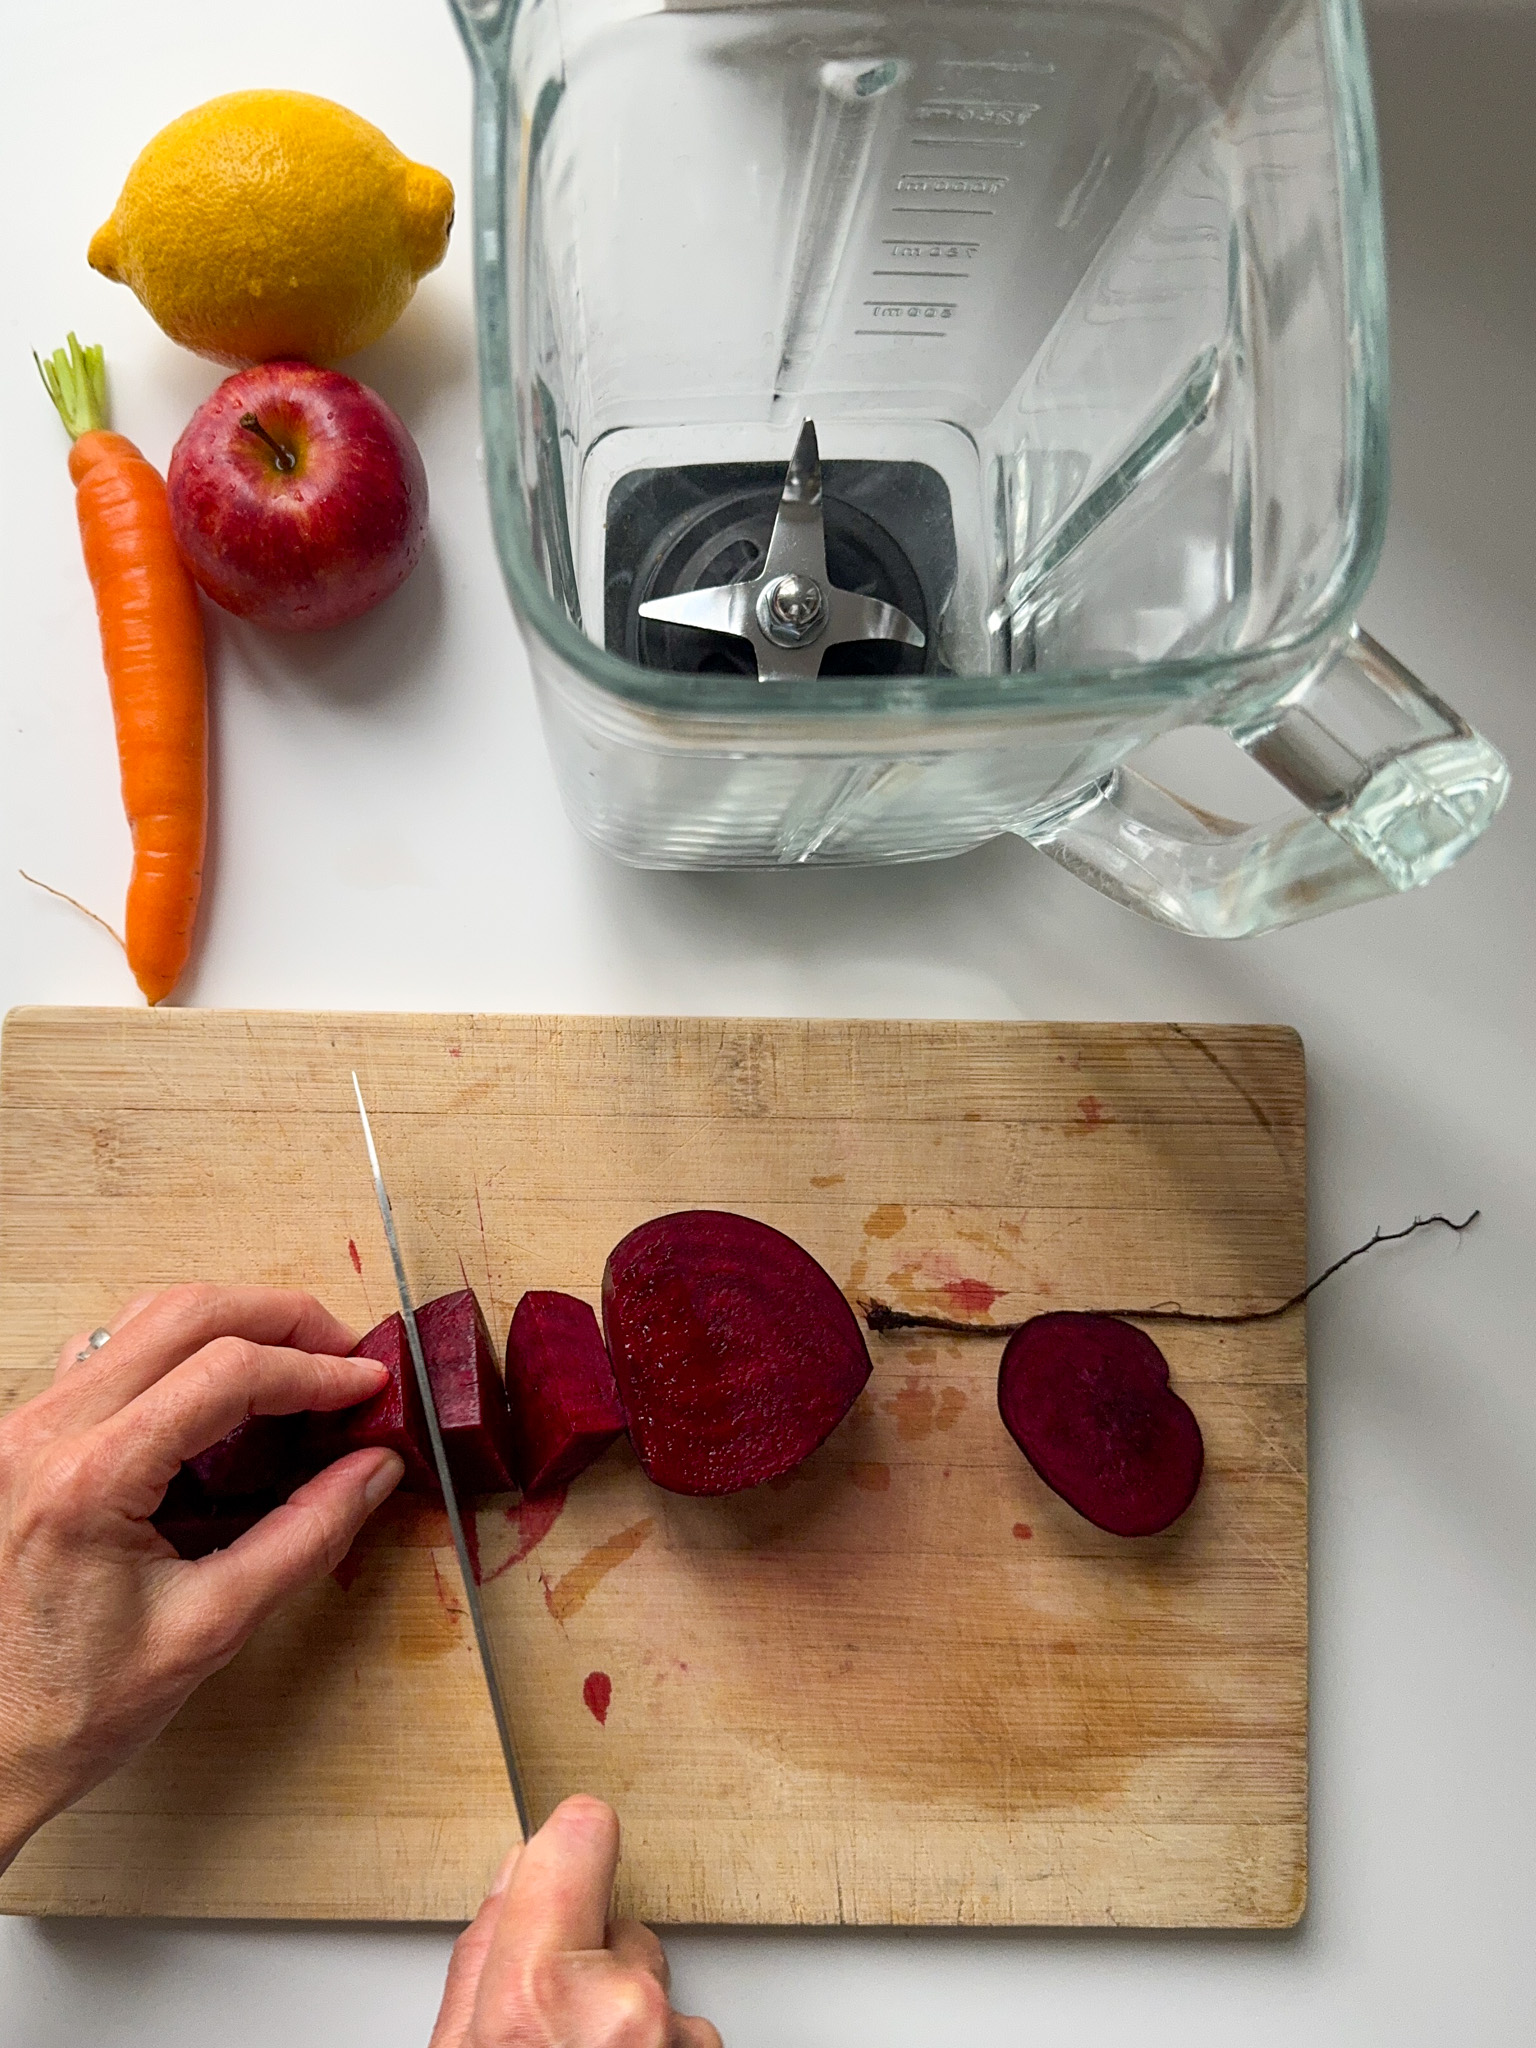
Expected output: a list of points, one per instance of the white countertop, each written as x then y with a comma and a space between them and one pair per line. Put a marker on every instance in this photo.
387, 835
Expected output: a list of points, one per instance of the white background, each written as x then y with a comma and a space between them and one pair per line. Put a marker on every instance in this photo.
387, 835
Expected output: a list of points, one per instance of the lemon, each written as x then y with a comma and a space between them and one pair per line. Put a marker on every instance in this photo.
270, 224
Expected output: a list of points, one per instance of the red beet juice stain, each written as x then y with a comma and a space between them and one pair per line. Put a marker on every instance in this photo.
531, 1522
354, 1255
1023, 1531
1091, 1111
346, 1572
597, 1691
971, 1297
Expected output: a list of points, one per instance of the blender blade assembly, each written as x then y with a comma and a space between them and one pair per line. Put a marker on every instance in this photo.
790, 613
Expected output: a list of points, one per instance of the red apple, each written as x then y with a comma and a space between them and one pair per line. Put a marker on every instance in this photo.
297, 497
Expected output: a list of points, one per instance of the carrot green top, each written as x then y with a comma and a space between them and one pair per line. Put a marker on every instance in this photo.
76, 381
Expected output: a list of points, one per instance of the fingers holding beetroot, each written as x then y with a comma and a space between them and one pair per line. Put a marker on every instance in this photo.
298, 1540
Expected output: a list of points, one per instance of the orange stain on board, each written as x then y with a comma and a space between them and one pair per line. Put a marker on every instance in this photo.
826, 1180
918, 1414
420, 1525
913, 1411
432, 1630
871, 1477
885, 1221
354, 1255
951, 1408
597, 1694
572, 1592
1023, 1531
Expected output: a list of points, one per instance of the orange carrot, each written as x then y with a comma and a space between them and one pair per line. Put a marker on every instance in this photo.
152, 645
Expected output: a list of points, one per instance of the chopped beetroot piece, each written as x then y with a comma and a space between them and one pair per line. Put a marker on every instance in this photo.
1086, 1399
194, 1533
260, 1455
467, 1392
393, 1418
735, 1354
565, 1406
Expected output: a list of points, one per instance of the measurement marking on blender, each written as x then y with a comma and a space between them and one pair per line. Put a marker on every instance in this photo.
968, 212
960, 183
933, 249
956, 275
905, 333
979, 113
1034, 64
969, 141
927, 315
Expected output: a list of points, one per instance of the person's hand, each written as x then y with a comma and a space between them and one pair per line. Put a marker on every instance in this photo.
542, 1966
104, 1631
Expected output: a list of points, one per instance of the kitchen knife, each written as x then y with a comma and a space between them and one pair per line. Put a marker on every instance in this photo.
445, 1477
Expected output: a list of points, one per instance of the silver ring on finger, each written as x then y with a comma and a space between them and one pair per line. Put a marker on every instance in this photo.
92, 1343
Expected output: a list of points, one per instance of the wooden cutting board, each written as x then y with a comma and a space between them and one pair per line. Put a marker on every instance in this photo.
905, 1685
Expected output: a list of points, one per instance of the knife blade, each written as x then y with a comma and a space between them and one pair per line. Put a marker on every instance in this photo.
445, 1477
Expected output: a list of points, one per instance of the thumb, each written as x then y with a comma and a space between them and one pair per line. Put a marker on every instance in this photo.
556, 1901
561, 1889
467, 1962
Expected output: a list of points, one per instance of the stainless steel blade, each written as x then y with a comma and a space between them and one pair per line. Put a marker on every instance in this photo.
445, 1477
797, 553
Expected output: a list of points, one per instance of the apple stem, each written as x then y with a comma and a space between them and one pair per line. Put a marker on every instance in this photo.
286, 459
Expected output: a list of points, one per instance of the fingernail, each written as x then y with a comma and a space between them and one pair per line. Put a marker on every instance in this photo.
384, 1478
504, 1875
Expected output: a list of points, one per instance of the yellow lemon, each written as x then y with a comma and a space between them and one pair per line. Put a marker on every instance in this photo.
270, 224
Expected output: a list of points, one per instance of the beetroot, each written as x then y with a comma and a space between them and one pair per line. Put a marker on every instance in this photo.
467, 1392
1086, 1399
191, 1533
260, 1455
565, 1406
393, 1418
735, 1354
194, 1522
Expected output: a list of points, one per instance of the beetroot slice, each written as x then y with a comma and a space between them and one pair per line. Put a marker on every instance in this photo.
565, 1406
1086, 1399
393, 1418
735, 1354
471, 1401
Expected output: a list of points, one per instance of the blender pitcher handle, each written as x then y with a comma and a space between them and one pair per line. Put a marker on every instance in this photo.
1396, 783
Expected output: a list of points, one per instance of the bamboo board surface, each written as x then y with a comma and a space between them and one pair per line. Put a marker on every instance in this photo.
905, 1685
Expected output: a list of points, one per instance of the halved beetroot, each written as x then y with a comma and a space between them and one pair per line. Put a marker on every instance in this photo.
735, 1354
471, 1401
393, 1418
565, 1406
1086, 1399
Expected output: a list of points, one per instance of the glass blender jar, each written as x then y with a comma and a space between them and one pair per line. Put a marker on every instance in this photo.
899, 415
